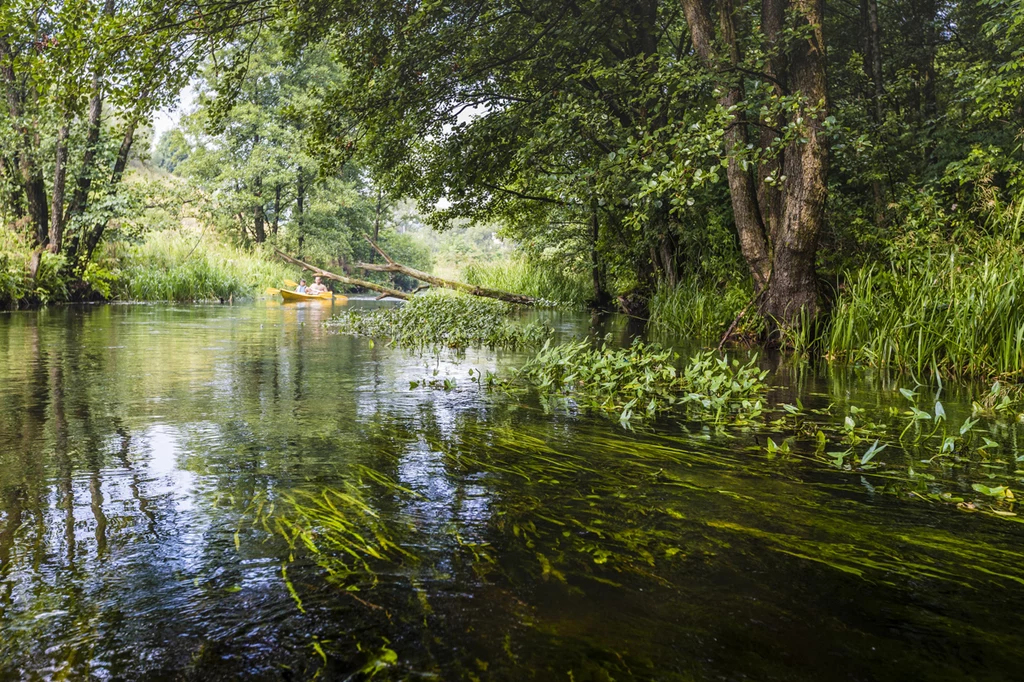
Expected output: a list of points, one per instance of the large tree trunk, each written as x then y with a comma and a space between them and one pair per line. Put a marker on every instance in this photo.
742, 190
300, 199
92, 239
794, 288
57, 199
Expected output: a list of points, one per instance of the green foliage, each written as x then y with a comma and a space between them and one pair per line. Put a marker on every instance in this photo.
171, 150
540, 278
176, 266
642, 381
701, 310
443, 319
17, 288
952, 313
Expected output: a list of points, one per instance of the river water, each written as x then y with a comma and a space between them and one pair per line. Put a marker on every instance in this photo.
217, 492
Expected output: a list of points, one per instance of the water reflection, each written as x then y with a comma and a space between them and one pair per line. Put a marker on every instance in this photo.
199, 491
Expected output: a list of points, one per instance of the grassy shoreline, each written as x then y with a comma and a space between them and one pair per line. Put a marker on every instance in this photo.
168, 266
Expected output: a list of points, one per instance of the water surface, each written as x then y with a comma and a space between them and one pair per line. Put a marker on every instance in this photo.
215, 492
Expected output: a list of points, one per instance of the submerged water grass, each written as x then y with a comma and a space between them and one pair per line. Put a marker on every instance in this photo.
173, 266
443, 319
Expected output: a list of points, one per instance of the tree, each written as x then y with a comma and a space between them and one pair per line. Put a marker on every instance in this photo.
77, 85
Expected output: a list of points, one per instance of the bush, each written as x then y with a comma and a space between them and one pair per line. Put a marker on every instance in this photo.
16, 287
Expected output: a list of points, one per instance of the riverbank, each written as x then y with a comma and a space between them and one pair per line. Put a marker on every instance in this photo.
946, 310
179, 266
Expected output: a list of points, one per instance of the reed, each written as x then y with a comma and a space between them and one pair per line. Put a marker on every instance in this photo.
955, 314
697, 309
533, 277
171, 266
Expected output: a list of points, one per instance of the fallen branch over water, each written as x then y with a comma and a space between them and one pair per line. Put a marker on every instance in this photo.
392, 266
384, 291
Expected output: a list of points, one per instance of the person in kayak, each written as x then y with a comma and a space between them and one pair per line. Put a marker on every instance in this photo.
302, 288
317, 287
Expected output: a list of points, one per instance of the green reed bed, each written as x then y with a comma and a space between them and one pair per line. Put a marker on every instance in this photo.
698, 309
952, 314
443, 319
173, 266
533, 277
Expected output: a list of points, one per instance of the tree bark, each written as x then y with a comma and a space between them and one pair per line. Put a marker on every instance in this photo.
60, 168
793, 289
742, 190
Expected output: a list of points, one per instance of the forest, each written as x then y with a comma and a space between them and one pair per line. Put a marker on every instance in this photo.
495, 340
819, 173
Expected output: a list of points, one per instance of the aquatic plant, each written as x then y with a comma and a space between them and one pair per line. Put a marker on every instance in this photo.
699, 309
173, 266
955, 314
540, 278
642, 381
443, 319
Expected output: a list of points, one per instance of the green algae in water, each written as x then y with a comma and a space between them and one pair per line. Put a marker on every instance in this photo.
168, 500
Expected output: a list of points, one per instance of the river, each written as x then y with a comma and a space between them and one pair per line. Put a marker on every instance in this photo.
217, 492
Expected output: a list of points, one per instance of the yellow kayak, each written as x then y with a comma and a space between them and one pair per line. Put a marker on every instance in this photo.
326, 296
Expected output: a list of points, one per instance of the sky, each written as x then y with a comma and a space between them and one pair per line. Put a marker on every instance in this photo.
168, 117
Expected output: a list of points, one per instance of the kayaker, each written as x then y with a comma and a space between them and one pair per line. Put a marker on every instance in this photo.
302, 288
317, 287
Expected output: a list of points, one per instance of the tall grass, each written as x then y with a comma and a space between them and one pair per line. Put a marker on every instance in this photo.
538, 278
171, 266
697, 309
955, 314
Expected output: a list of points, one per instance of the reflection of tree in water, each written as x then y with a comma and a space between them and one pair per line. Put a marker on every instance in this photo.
159, 507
